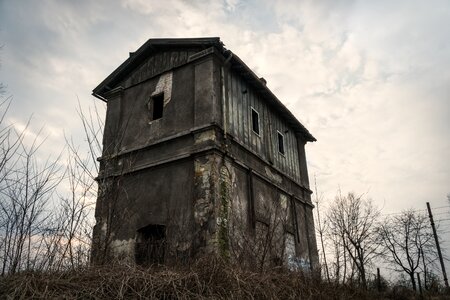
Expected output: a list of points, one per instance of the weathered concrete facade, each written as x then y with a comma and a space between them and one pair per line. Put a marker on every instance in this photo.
200, 157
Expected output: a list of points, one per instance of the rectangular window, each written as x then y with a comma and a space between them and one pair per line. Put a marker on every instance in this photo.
255, 121
157, 106
280, 142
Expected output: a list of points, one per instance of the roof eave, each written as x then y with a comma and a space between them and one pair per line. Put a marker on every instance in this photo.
148, 46
257, 81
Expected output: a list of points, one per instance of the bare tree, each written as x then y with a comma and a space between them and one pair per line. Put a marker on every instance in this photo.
338, 264
103, 182
354, 219
44, 225
10, 141
26, 190
84, 169
39, 229
65, 241
409, 242
321, 228
76, 217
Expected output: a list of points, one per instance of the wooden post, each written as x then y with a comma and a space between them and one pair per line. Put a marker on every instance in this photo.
378, 280
437, 245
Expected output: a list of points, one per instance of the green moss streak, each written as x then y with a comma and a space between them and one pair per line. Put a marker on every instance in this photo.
223, 238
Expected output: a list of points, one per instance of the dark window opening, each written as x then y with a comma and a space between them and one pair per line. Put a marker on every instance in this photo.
150, 245
157, 106
280, 142
255, 121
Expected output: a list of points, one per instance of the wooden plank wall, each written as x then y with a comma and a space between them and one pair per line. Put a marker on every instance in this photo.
239, 99
158, 63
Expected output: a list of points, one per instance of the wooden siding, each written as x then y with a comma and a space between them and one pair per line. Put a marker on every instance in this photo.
158, 63
239, 100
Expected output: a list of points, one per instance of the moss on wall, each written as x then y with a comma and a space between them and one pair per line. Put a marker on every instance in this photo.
223, 217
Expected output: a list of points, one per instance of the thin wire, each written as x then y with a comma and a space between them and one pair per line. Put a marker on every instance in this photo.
439, 207
398, 213
419, 210
442, 213
440, 220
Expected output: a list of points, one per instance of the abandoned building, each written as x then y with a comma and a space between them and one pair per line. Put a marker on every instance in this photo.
200, 157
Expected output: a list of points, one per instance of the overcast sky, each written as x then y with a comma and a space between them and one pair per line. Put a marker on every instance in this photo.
369, 79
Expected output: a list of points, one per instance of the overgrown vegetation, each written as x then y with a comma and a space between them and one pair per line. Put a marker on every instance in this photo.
209, 278
205, 279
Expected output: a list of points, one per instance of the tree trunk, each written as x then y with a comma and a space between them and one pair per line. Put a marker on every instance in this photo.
413, 281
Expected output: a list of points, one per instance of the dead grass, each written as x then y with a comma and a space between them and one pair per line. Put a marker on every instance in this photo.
207, 279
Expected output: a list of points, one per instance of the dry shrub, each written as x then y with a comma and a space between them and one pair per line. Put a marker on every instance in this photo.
204, 279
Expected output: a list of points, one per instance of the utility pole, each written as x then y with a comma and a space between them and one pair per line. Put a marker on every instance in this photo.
378, 280
437, 244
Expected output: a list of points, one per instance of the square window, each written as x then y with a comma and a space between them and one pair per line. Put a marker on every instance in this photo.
255, 121
280, 142
157, 106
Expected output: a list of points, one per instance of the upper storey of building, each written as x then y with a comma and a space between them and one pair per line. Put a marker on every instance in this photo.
173, 86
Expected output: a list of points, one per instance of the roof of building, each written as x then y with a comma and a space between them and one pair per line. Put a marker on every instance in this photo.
154, 45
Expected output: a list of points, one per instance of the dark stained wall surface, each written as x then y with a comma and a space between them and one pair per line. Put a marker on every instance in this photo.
169, 170
191, 100
178, 113
152, 197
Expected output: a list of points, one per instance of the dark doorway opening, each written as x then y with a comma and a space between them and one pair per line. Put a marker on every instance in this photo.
150, 245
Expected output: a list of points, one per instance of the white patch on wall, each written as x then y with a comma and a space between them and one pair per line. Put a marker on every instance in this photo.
208, 135
164, 85
123, 248
293, 262
202, 205
290, 251
104, 227
275, 177
283, 201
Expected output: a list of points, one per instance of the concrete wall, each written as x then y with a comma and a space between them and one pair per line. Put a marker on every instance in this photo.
137, 127
263, 218
190, 101
214, 194
151, 196
147, 168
